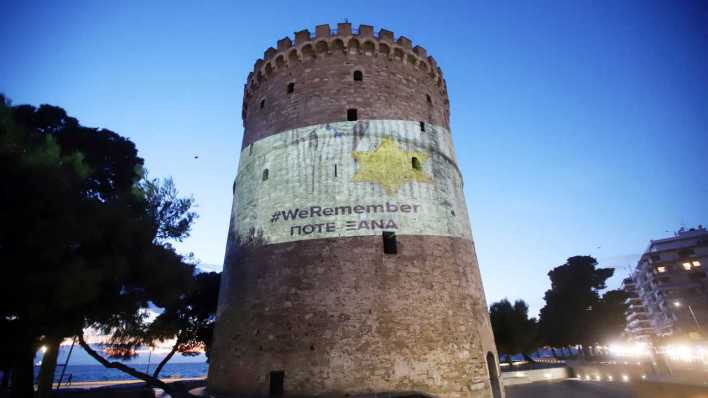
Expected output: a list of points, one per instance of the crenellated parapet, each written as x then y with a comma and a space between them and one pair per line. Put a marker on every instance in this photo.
325, 41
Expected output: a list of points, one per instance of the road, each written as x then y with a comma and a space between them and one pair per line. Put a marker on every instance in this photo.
570, 389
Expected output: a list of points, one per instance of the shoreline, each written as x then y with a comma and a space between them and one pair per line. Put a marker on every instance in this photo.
90, 385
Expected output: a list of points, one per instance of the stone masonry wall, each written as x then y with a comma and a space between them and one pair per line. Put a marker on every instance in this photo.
339, 316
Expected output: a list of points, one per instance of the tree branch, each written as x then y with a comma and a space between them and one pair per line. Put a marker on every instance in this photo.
173, 389
162, 364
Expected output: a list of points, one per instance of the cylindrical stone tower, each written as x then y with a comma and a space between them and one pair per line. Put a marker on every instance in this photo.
350, 266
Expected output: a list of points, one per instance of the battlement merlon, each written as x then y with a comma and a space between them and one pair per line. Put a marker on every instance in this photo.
360, 41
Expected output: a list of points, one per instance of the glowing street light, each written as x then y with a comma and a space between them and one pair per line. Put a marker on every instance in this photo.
677, 304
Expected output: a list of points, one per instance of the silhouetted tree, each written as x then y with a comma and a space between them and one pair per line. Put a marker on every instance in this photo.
40, 208
82, 242
513, 331
608, 316
190, 322
168, 218
567, 319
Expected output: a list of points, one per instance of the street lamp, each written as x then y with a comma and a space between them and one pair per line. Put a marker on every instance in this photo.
677, 304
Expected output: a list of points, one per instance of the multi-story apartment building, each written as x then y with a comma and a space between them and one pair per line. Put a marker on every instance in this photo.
668, 290
638, 322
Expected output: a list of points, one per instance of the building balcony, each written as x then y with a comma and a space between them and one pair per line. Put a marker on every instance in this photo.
640, 330
680, 283
641, 316
641, 323
638, 307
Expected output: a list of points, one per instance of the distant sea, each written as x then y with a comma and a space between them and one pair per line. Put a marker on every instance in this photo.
101, 373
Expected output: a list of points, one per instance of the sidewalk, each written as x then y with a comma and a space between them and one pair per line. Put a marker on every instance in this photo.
88, 385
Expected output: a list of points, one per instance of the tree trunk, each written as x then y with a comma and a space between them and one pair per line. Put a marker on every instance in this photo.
23, 373
45, 381
175, 390
158, 369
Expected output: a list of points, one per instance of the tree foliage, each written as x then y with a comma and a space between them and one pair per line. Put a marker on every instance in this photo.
608, 316
513, 331
574, 312
84, 240
170, 215
191, 320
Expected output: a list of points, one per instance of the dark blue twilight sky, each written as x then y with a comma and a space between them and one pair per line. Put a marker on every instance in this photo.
580, 127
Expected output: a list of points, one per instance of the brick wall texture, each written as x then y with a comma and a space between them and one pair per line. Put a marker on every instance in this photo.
337, 315
397, 84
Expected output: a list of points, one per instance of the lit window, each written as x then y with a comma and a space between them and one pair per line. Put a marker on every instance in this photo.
661, 269
686, 266
696, 263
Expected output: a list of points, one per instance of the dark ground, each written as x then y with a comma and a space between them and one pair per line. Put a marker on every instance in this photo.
590, 389
552, 389
571, 389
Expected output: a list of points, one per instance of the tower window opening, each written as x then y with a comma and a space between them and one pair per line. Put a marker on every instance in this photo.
416, 163
262, 103
335, 169
250, 149
291, 88
389, 242
422, 126
358, 75
277, 381
427, 98
352, 115
265, 175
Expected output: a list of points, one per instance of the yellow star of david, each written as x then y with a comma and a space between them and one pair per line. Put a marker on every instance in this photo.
390, 167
